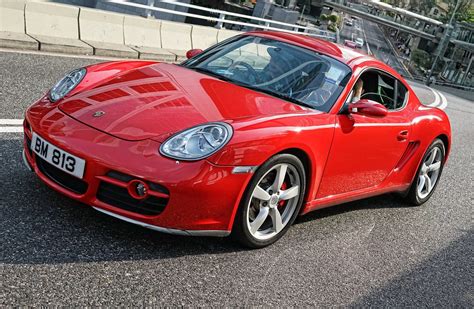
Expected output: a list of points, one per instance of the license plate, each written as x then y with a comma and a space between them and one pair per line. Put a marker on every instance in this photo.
57, 157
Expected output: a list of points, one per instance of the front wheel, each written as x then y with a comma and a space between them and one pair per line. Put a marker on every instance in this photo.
271, 202
428, 174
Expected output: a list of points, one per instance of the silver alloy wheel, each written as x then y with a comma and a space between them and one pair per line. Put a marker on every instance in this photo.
273, 202
429, 173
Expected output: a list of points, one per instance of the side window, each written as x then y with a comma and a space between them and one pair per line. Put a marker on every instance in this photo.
386, 90
383, 88
402, 92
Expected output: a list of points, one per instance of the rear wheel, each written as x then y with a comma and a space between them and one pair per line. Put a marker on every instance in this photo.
271, 202
428, 174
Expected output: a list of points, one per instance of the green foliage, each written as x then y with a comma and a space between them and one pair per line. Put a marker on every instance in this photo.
332, 27
423, 6
333, 18
464, 12
421, 58
470, 15
323, 17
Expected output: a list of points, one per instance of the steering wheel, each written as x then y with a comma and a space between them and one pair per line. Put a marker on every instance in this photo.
378, 97
250, 71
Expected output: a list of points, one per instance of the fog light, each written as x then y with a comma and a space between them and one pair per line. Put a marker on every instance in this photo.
138, 189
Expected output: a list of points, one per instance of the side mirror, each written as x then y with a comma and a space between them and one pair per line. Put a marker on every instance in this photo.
368, 108
193, 52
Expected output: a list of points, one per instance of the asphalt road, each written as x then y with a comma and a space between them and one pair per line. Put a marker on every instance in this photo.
375, 252
376, 43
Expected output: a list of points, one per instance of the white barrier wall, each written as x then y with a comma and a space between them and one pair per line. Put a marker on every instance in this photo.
176, 38
203, 37
12, 25
55, 27
78, 30
224, 34
104, 31
144, 36
139, 31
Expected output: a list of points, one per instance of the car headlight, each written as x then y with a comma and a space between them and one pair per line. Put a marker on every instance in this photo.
198, 142
66, 84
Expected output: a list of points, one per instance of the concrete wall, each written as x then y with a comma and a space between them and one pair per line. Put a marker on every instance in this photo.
51, 19
73, 29
12, 16
100, 26
176, 36
140, 31
203, 37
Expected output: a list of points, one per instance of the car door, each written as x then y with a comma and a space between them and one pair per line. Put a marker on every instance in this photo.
366, 149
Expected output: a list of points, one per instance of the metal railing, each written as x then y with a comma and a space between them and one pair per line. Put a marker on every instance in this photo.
222, 18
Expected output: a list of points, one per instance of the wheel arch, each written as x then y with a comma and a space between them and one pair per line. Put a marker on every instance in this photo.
444, 138
305, 159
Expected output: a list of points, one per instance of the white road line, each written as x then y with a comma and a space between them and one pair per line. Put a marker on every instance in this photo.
440, 100
437, 98
11, 129
38, 52
444, 101
11, 121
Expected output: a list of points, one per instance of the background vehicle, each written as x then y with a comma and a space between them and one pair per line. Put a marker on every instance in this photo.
359, 42
240, 139
350, 44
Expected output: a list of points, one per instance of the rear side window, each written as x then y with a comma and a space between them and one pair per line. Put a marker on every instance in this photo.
384, 89
401, 93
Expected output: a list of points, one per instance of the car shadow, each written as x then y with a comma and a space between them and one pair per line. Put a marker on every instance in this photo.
443, 280
41, 226
389, 200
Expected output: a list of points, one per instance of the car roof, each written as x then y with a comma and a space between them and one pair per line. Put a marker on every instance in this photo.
344, 54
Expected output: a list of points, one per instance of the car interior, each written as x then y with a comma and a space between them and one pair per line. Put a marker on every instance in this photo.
384, 89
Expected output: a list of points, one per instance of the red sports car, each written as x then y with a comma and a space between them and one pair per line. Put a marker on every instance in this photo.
239, 139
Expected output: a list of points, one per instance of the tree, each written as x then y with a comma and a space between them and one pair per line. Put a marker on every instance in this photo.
423, 6
421, 58
465, 11
333, 18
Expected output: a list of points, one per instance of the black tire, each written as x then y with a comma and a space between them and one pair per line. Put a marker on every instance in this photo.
240, 231
413, 198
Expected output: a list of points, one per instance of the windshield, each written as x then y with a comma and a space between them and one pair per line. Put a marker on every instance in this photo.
296, 74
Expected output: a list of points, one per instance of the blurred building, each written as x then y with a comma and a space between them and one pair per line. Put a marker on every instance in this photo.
458, 66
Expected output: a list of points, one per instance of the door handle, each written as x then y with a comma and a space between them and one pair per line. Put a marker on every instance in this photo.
402, 136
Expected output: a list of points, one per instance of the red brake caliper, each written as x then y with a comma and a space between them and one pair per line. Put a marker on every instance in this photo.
282, 203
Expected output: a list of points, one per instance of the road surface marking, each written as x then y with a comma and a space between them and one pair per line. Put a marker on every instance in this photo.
437, 98
38, 52
11, 129
11, 122
444, 101
440, 100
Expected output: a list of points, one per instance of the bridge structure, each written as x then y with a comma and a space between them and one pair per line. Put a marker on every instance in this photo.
457, 61
432, 36
379, 20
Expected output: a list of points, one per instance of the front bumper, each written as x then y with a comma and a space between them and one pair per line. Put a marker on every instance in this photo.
197, 198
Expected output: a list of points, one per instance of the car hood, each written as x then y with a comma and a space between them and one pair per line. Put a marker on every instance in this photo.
161, 99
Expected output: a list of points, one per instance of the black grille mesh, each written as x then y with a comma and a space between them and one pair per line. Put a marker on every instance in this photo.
63, 179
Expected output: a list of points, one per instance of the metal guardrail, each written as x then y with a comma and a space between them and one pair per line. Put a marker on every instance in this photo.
222, 19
